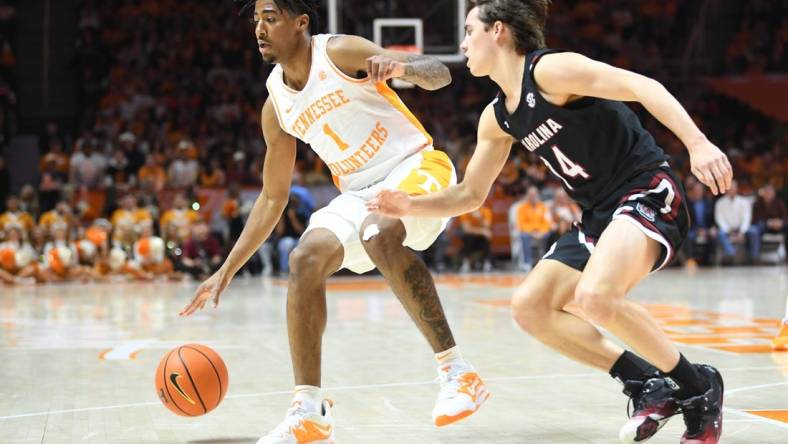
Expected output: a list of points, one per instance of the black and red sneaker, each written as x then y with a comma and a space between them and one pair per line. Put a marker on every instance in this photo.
654, 403
703, 413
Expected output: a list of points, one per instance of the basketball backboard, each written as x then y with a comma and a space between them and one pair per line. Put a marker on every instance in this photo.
436, 27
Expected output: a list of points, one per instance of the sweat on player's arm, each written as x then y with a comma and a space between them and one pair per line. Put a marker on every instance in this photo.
353, 54
492, 149
277, 172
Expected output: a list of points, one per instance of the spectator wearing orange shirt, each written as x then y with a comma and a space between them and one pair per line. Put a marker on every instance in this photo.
14, 215
476, 236
152, 172
62, 213
533, 222
231, 211
213, 176
56, 157
180, 215
129, 213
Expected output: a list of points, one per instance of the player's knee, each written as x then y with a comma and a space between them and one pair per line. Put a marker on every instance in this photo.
598, 302
530, 311
382, 239
307, 260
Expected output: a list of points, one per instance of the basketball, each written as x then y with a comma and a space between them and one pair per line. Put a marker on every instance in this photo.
314, 184
191, 380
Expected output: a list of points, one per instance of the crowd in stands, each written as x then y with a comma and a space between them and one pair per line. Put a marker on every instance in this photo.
8, 100
171, 94
647, 38
135, 242
759, 43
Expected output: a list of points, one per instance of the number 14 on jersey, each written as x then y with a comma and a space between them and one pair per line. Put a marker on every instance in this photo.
568, 167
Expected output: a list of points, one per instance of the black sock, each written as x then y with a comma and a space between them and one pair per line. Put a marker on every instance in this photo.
631, 367
690, 382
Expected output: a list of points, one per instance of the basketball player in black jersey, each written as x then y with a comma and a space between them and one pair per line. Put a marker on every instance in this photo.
569, 110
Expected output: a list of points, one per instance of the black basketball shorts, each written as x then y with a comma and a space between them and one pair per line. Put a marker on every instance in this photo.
653, 201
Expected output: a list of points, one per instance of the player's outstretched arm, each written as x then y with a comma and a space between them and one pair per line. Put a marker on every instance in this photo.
563, 75
277, 175
352, 54
492, 150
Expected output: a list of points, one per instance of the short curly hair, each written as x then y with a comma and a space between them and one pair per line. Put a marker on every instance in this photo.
294, 7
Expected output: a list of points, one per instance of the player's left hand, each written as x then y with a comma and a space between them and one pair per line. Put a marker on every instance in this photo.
211, 289
390, 203
381, 68
711, 166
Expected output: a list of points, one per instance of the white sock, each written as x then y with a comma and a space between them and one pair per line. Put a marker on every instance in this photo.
310, 397
451, 356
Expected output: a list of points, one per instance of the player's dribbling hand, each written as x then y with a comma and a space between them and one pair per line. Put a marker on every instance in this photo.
711, 166
390, 203
381, 68
210, 289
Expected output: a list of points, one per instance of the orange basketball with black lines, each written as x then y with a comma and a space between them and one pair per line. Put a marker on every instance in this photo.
191, 380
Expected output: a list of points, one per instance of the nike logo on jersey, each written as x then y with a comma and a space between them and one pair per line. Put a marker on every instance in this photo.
541, 135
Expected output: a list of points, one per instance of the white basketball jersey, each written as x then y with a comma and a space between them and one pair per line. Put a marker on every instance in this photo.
360, 129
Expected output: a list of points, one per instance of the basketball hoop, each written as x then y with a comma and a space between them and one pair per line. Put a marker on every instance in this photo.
405, 48
445, 46
379, 24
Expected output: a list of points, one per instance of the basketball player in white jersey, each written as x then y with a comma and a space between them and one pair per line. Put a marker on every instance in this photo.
331, 92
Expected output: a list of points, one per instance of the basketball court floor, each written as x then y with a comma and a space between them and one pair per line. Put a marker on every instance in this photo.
78, 362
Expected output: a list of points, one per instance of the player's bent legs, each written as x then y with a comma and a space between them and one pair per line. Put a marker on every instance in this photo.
318, 255
538, 307
408, 277
623, 257
462, 391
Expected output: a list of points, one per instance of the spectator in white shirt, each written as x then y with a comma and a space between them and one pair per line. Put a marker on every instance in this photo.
87, 165
733, 216
183, 171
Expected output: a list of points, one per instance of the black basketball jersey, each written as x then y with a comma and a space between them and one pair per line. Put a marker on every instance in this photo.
593, 145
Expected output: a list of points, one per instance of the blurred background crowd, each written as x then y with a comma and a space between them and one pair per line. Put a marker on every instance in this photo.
155, 173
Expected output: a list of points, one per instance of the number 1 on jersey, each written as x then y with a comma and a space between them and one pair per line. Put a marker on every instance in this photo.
328, 131
569, 168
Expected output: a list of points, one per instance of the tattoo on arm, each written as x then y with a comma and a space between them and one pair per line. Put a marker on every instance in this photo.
426, 72
430, 311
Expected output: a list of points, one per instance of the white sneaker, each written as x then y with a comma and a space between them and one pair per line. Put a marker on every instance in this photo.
462, 393
302, 427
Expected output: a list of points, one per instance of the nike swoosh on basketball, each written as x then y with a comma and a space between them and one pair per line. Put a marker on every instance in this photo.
174, 380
